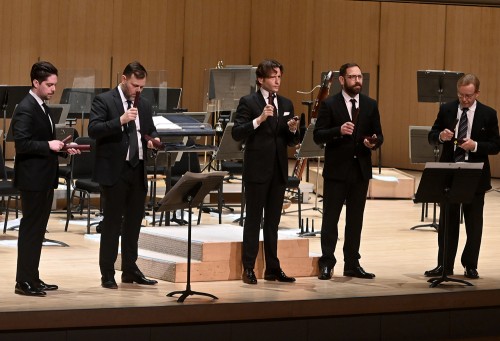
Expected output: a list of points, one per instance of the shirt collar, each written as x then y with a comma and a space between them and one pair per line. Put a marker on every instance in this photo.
38, 99
348, 98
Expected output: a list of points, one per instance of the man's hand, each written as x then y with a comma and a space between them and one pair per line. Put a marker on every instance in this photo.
129, 115
347, 128
268, 111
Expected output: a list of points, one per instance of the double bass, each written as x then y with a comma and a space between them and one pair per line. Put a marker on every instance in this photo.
322, 94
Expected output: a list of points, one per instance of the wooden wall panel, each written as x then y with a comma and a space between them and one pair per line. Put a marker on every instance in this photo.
283, 30
77, 37
473, 45
411, 39
213, 30
346, 31
150, 31
20, 40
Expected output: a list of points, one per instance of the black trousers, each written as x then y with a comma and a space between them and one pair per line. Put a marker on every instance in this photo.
36, 208
473, 218
123, 208
263, 198
352, 192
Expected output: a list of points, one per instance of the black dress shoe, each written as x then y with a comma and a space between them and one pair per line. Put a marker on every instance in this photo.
41, 285
358, 272
471, 273
24, 288
137, 277
438, 271
249, 277
108, 282
325, 273
278, 276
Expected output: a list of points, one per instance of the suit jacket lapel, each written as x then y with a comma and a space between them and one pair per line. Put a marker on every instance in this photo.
118, 102
342, 107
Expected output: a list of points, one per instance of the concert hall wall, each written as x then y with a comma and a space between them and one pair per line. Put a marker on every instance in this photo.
389, 40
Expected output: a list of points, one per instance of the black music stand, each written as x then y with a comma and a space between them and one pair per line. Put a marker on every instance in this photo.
308, 150
437, 85
190, 191
10, 96
448, 183
229, 149
421, 152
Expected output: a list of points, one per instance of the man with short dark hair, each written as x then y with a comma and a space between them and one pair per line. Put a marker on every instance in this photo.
265, 121
119, 127
35, 175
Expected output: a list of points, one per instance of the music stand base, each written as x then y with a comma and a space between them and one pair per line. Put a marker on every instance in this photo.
189, 292
63, 244
438, 280
434, 225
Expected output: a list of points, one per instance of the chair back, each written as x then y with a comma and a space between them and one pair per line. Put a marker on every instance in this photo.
3, 171
82, 165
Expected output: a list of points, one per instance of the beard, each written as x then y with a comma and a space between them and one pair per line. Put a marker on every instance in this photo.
354, 89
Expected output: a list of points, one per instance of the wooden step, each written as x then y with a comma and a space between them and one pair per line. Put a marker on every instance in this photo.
174, 269
215, 253
211, 242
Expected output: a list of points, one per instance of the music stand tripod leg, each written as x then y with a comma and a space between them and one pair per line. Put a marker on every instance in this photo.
434, 282
188, 291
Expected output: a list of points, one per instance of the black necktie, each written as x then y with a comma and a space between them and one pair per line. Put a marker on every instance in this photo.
133, 151
462, 134
354, 111
271, 102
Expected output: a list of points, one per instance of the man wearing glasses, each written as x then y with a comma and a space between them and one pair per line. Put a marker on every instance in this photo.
348, 124
468, 131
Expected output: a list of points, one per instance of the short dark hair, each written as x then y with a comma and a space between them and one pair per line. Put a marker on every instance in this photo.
136, 69
266, 67
343, 68
41, 71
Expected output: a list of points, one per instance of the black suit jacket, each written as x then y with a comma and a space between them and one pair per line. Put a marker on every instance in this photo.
341, 149
484, 131
266, 145
36, 166
111, 138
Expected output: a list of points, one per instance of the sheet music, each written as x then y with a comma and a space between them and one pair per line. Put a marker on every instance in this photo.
161, 123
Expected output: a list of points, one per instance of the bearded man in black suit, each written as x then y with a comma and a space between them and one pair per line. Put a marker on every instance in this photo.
348, 124
119, 127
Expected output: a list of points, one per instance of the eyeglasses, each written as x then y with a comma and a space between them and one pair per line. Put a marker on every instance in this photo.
360, 77
466, 96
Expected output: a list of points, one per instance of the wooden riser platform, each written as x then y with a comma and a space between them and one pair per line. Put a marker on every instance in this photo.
215, 254
391, 183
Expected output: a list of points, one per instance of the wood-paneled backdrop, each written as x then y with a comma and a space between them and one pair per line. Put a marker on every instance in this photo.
391, 41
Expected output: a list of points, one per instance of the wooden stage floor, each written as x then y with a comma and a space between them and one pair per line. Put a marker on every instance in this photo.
397, 304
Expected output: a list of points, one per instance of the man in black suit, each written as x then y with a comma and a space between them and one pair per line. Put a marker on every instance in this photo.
119, 128
266, 124
348, 124
479, 138
35, 175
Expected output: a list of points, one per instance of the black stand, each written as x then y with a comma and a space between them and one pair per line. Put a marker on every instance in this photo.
435, 86
448, 183
421, 152
189, 191
309, 149
229, 149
